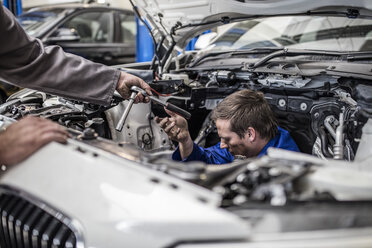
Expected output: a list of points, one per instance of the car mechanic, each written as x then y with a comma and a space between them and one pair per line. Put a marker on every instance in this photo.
246, 126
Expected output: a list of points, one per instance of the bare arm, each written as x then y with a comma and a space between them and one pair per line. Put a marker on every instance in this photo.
186, 148
177, 129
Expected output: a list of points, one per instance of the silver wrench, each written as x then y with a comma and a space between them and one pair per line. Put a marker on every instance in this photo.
167, 105
121, 122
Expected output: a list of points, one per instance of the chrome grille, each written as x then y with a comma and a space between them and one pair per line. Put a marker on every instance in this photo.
26, 225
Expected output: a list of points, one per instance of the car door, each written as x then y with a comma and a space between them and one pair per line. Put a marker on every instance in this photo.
95, 32
125, 36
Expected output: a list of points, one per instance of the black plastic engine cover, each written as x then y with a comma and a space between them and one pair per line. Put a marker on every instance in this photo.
364, 96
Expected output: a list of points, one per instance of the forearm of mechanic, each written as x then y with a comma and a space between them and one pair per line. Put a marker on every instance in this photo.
177, 129
25, 62
186, 147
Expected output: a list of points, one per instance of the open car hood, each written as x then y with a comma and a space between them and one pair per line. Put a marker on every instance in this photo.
181, 18
124, 186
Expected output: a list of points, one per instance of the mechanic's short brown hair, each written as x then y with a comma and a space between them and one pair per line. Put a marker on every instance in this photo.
247, 108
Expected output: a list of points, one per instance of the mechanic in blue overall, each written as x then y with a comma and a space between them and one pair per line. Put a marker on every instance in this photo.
246, 126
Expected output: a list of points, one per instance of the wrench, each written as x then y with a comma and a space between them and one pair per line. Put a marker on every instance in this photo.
135, 90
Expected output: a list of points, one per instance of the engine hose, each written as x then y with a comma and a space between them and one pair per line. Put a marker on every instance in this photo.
338, 148
324, 142
365, 113
83, 118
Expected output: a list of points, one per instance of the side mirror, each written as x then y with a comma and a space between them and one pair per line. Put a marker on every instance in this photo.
204, 40
63, 35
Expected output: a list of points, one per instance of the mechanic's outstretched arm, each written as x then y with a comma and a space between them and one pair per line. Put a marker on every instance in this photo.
25, 62
177, 129
24, 137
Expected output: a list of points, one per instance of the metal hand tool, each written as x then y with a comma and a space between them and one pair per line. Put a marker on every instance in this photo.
167, 105
121, 122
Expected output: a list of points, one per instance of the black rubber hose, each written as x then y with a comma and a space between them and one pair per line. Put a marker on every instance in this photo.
324, 142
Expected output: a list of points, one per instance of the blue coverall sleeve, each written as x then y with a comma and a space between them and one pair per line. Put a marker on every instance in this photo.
211, 155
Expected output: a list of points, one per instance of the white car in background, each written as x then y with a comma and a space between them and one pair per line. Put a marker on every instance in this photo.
110, 189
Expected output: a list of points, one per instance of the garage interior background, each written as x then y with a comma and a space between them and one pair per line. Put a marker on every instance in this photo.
144, 48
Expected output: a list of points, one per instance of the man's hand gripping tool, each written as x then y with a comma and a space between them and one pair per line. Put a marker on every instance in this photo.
135, 90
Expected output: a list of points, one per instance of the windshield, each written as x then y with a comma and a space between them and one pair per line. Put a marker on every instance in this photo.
303, 32
35, 21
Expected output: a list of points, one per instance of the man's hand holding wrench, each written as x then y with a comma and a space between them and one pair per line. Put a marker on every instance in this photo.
135, 90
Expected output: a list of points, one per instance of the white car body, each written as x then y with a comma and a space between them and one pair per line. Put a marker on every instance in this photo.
126, 193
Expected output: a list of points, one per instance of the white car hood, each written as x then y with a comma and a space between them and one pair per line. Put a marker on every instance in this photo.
119, 199
165, 14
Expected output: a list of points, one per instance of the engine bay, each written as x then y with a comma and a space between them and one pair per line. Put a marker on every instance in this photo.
324, 113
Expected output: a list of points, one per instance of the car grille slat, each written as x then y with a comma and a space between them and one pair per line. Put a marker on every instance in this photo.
4, 219
39, 229
12, 219
20, 224
71, 241
47, 238
2, 240
26, 225
61, 237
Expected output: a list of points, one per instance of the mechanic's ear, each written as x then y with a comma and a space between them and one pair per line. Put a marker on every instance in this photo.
251, 134
223, 145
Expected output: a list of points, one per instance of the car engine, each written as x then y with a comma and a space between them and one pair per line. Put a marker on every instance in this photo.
324, 187
324, 112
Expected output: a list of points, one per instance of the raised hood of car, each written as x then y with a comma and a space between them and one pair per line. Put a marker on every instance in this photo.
180, 18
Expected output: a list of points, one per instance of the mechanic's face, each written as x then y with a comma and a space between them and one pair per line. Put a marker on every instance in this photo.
232, 141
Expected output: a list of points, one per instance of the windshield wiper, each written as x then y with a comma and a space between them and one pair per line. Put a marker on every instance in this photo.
293, 52
359, 56
259, 50
285, 52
